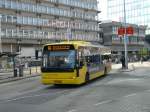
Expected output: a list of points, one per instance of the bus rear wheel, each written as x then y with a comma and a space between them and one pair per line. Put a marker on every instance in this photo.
105, 71
87, 77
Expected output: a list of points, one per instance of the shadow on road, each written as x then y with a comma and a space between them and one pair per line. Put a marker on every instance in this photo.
73, 86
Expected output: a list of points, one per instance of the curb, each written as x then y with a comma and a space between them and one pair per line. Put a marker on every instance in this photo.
127, 70
132, 68
16, 79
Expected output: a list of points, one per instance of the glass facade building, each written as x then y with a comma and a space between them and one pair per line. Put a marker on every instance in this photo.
137, 11
48, 20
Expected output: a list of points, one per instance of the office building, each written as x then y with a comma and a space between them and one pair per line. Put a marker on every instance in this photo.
28, 24
137, 11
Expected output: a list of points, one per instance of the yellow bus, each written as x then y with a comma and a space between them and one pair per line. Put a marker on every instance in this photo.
74, 62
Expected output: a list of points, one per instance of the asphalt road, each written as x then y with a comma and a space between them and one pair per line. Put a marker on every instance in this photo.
116, 92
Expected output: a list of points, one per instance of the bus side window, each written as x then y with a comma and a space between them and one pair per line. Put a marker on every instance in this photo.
87, 58
97, 59
81, 59
101, 59
91, 60
105, 59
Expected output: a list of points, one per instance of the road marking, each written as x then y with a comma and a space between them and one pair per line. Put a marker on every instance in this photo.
29, 91
148, 90
15, 82
31, 96
121, 80
103, 102
73, 110
130, 95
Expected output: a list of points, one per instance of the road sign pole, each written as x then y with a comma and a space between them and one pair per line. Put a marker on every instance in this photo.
69, 34
125, 38
1, 49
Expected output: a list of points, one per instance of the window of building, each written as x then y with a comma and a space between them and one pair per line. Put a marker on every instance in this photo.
30, 7
13, 5
3, 32
34, 8
19, 6
19, 20
30, 20
35, 21
8, 4
25, 33
14, 32
25, 7
14, 19
25, 20
9, 19
20, 33
8, 32
4, 18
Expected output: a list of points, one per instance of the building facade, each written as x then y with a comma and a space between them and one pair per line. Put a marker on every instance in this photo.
27, 24
111, 39
137, 11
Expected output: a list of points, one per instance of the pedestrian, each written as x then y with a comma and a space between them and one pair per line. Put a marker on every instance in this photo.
0, 67
141, 60
116, 60
123, 62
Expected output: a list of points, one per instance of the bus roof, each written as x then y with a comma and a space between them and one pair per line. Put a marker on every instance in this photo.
104, 50
79, 43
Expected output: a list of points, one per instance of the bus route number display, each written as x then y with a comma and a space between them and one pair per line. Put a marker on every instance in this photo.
59, 47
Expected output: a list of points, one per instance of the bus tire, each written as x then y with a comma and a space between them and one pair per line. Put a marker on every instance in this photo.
87, 77
105, 71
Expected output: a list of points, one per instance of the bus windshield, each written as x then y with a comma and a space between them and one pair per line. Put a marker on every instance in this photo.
59, 59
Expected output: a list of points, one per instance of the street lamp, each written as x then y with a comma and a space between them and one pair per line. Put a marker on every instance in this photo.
1, 50
125, 37
69, 34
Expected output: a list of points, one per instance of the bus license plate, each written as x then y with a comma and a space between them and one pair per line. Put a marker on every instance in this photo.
58, 81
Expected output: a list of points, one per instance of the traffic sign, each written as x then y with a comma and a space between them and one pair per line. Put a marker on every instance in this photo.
129, 30
121, 31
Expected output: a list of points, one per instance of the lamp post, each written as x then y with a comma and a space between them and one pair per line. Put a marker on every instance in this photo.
125, 37
69, 34
1, 50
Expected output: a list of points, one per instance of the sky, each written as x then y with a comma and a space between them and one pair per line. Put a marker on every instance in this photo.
102, 6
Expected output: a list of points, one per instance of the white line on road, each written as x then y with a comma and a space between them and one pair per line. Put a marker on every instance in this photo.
15, 82
73, 110
130, 95
148, 90
31, 96
103, 102
121, 80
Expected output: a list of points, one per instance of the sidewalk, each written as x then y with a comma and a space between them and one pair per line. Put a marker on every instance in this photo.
7, 76
131, 66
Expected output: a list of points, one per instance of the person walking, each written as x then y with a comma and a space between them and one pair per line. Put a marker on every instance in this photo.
123, 62
141, 60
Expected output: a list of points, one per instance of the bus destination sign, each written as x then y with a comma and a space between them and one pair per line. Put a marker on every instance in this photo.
59, 47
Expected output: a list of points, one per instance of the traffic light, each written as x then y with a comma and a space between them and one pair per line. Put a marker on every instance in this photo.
36, 54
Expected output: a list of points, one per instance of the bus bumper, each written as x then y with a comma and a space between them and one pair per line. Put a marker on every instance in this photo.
61, 81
